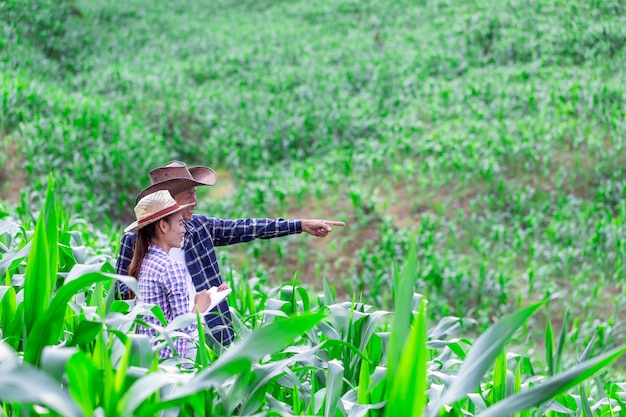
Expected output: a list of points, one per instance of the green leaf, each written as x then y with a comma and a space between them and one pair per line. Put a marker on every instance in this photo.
364, 382
253, 397
304, 296
202, 354
584, 402
41, 266
24, 384
85, 333
54, 360
85, 382
498, 390
239, 357
14, 328
7, 226
482, 355
265, 340
48, 326
329, 298
349, 348
562, 337
11, 260
141, 353
369, 325
334, 387
8, 310
401, 322
408, 387
143, 388
549, 342
553, 386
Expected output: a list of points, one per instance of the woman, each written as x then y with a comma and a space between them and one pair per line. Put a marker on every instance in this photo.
162, 280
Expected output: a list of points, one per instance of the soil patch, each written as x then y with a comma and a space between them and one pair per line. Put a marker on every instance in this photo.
13, 177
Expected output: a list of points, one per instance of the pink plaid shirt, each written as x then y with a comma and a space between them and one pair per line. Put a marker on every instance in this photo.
162, 281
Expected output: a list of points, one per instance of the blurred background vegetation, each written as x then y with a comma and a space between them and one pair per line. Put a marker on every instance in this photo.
491, 132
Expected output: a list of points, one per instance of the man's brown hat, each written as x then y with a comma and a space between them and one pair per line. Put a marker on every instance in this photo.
176, 177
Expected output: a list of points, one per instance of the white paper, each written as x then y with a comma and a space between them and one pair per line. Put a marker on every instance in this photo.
216, 297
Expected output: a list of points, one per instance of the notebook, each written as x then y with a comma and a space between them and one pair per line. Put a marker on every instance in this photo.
217, 297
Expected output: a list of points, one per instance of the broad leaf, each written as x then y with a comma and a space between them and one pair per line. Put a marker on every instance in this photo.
553, 386
482, 355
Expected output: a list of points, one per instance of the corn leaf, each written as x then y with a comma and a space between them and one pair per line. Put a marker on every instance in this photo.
8, 315
401, 321
584, 402
553, 386
562, 337
143, 388
482, 355
12, 259
47, 328
239, 357
54, 359
408, 388
24, 384
364, 382
334, 387
41, 267
549, 342
85, 383
252, 398
499, 386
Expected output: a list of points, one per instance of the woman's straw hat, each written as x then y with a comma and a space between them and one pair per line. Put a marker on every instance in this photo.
176, 177
153, 207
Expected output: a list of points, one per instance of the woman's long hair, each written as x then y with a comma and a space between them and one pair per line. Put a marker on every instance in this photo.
144, 237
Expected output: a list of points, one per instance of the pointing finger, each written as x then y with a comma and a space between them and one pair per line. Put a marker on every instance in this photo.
334, 223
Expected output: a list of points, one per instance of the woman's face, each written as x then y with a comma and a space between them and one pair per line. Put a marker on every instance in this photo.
174, 230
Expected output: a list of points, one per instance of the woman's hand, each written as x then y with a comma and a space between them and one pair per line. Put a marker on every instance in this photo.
202, 301
223, 286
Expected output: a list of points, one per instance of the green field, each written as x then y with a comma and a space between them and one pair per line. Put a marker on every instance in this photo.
486, 135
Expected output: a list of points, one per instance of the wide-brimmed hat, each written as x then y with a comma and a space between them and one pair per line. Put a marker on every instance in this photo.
176, 177
153, 207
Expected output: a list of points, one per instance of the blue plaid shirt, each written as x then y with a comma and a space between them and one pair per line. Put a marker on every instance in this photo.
203, 234
162, 281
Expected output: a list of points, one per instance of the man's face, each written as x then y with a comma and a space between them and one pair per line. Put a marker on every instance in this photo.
187, 197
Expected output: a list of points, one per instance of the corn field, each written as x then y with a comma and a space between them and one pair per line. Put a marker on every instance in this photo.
69, 349
474, 149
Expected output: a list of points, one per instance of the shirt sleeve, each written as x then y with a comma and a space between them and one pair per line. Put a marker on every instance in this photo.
229, 232
178, 298
124, 257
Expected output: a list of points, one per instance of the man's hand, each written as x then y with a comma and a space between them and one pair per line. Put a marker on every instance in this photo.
319, 228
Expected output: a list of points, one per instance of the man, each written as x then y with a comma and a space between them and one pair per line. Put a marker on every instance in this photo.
204, 233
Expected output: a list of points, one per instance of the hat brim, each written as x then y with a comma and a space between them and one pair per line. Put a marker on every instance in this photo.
202, 176
136, 226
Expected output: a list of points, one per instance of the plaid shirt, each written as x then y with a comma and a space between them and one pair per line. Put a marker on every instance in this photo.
203, 234
162, 281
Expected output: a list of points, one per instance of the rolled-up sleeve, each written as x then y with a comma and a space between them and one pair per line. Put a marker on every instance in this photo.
229, 232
